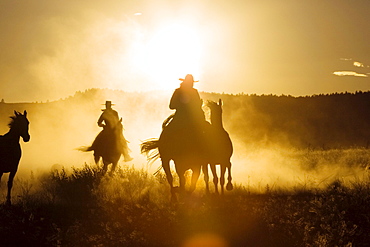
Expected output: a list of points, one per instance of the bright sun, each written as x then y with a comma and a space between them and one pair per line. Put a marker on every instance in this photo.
171, 52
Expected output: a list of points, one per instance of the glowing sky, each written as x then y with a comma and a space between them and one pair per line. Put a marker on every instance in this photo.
49, 49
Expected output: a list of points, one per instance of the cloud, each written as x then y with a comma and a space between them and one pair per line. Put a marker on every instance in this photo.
358, 64
349, 73
361, 65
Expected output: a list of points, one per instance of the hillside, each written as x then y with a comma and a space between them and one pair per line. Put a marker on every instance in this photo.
320, 122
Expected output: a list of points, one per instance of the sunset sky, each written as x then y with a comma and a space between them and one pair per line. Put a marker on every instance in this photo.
49, 49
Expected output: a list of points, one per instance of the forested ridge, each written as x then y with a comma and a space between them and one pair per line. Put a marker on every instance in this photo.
339, 120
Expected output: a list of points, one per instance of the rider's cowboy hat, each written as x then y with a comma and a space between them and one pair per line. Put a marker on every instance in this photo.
107, 104
188, 78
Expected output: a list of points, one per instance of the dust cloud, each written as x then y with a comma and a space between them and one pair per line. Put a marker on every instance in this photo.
58, 128
286, 169
267, 158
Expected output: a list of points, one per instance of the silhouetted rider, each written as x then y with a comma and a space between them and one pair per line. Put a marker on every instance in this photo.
187, 103
109, 117
111, 121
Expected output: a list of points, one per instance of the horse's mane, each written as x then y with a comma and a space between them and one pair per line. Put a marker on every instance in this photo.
210, 103
10, 124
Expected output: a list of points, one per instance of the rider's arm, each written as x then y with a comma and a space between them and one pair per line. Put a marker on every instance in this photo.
174, 102
198, 99
100, 120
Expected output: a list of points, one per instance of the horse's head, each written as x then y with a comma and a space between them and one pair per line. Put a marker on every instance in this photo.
216, 111
19, 125
215, 107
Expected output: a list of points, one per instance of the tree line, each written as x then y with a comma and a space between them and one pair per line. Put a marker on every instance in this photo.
338, 120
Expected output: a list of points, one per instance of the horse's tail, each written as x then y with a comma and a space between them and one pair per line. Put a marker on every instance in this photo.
150, 148
85, 149
167, 121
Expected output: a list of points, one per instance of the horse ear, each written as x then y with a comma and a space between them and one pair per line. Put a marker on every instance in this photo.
219, 102
16, 113
25, 113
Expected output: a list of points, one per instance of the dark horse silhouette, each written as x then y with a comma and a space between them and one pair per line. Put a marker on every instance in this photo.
220, 149
108, 145
184, 147
10, 149
191, 150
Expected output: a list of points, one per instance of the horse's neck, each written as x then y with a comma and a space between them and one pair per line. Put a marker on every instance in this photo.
216, 120
11, 137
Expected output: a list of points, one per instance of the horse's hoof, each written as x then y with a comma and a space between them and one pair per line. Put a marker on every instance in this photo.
229, 186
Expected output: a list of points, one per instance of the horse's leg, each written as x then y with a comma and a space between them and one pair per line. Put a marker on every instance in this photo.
206, 177
167, 171
182, 180
114, 165
181, 174
222, 178
215, 177
96, 158
105, 166
194, 179
10, 185
229, 185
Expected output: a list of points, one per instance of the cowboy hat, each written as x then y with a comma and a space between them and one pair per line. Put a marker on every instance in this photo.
188, 78
108, 104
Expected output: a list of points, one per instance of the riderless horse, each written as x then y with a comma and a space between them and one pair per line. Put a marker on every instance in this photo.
10, 149
220, 149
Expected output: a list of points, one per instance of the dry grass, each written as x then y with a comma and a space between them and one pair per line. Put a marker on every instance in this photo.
83, 208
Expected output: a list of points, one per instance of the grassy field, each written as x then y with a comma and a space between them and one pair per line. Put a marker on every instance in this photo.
80, 207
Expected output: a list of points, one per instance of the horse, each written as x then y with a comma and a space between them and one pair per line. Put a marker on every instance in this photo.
10, 149
183, 145
211, 147
220, 149
108, 146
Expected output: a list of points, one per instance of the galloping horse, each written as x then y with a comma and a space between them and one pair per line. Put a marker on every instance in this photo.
220, 149
10, 149
108, 145
185, 146
193, 151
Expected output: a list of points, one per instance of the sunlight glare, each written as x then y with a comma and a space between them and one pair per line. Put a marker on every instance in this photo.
171, 52
205, 240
